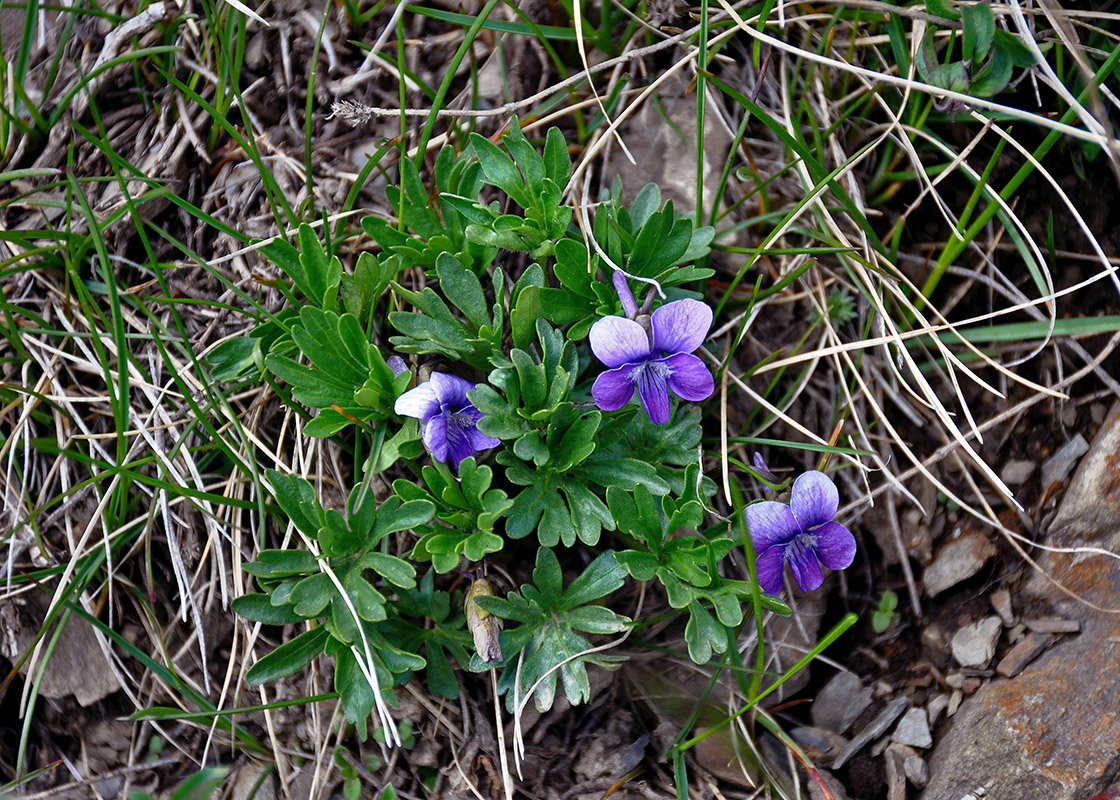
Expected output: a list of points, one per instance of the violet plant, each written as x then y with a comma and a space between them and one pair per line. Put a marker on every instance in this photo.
522, 445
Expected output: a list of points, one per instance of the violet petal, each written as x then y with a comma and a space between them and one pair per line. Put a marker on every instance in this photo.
458, 440
435, 436
806, 568
689, 379
681, 326
616, 341
835, 545
629, 304
653, 390
769, 564
771, 524
451, 390
420, 402
480, 441
613, 389
814, 499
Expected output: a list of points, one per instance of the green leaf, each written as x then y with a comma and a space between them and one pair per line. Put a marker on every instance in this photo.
296, 499
1012, 45
941, 8
312, 595
557, 162
703, 634
354, 691
994, 77
288, 658
259, 608
500, 170
395, 570
601, 577
547, 576
979, 30
282, 564
462, 289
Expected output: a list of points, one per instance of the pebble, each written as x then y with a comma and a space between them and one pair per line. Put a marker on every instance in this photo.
896, 776
840, 702
876, 728
1016, 473
1090, 510
913, 730
975, 644
1023, 653
1001, 603
819, 744
936, 707
1059, 465
954, 702
917, 771
1053, 625
957, 561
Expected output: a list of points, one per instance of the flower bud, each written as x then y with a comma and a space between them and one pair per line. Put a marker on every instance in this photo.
483, 625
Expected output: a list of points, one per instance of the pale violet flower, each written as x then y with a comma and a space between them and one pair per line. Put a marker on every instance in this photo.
654, 362
449, 420
802, 534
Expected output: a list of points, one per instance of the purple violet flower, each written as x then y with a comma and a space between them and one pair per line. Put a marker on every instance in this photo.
802, 534
450, 421
653, 363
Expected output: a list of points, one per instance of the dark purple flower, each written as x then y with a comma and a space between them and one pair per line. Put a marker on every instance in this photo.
653, 363
802, 534
450, 421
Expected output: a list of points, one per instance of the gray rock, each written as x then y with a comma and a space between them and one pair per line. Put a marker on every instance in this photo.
975, 644
936, 707
917, 771
896, 776
1091, 506
1001, 603
913, 729
840, 702
1059, 465
1023, 653
1016, 473
959, 560
1051, 731
1053, 625
874, 730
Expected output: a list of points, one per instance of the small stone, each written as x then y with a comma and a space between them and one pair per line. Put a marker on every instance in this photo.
1016, 473
975, 644
819, 744
1053, 625
954, 703
917, 771
876, 728
936, 707
1090, 509
1023, 653
970, 685
840, 702
913, 730
957, 561
1059, 465
896, 777
1069, 416
881, 689
1001, 603
955, 680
